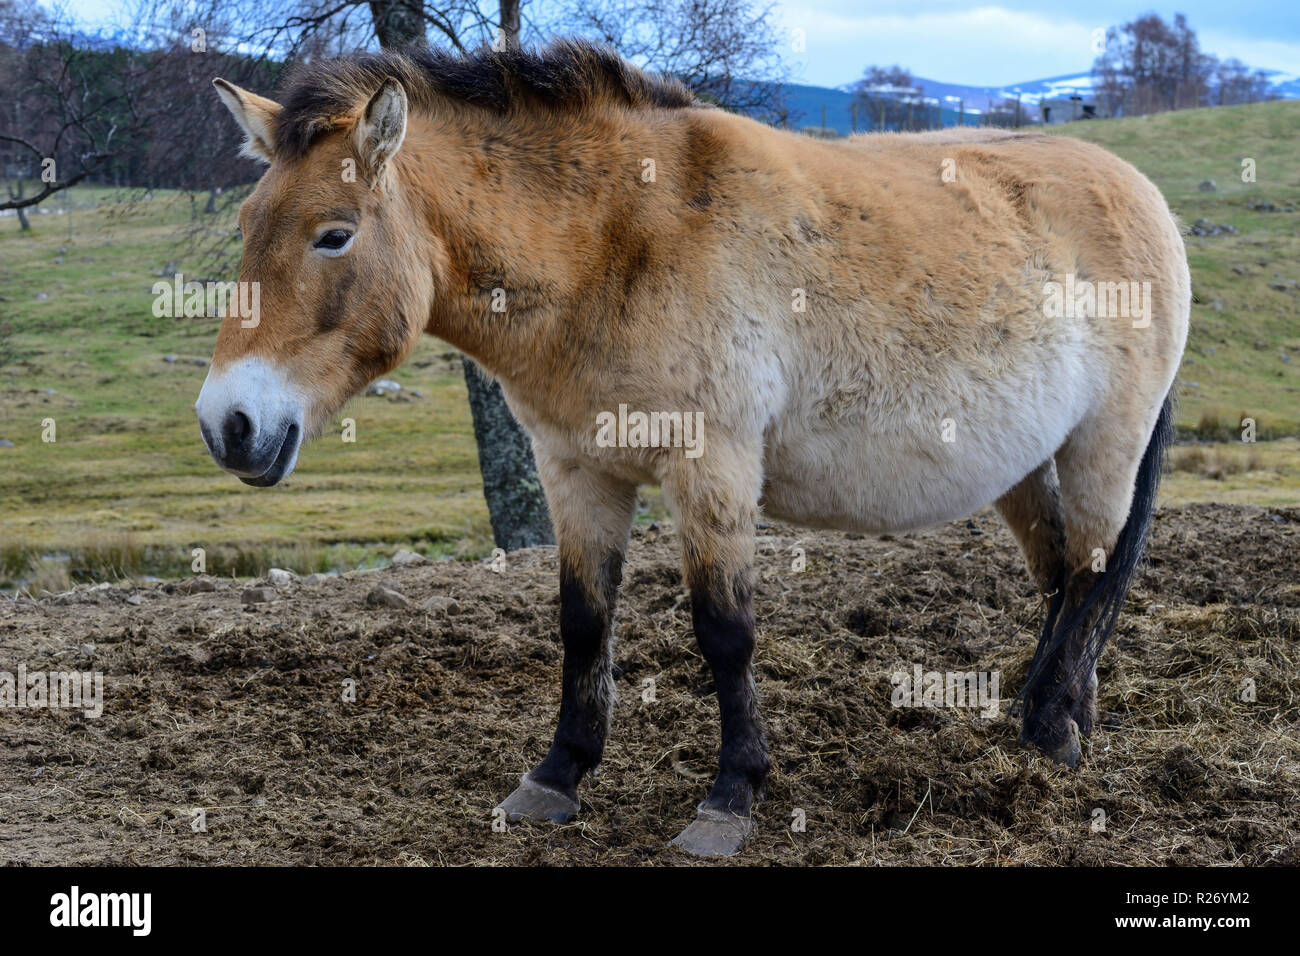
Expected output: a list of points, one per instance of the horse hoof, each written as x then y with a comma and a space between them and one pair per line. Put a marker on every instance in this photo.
1068, 751
714, 833
532, 801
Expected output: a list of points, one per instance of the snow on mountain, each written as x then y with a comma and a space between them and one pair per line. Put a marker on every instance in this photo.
808, 102
1285, 85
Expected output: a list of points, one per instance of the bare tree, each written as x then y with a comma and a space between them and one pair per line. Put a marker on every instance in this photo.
190, 148
1150, 66
1003, 113
1237, 84
727, 51
511, 21
67, 107
303, 27
890, 98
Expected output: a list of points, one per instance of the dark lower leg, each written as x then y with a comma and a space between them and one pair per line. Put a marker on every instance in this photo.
1060, 694
586, 695
724, 627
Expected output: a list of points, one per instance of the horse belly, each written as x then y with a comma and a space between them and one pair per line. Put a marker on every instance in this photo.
900, 470
888, 489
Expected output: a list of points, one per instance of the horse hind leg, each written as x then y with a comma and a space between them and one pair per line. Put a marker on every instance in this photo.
1109, 470
1033, 512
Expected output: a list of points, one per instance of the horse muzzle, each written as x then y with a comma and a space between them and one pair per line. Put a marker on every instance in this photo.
251, 419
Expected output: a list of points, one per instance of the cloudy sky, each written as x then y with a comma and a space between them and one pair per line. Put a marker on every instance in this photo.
983, 44
992, 44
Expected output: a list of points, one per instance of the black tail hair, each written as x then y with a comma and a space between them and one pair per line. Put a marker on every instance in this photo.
1106, 597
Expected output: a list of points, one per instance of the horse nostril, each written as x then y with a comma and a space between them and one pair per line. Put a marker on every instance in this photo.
236, 430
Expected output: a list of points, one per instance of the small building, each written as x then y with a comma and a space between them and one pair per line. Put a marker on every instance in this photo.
1053, 112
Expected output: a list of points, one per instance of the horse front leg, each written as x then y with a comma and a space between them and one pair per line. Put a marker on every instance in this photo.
592, 516
717, 513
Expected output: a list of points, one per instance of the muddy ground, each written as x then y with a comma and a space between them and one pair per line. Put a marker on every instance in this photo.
238, 709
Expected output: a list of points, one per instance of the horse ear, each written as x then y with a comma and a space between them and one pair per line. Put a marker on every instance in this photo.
382, 127
256, 116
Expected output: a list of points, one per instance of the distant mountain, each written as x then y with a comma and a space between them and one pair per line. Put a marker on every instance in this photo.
978, 97
1284, 85
806, 103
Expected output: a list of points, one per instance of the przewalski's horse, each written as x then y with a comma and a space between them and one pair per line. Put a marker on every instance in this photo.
868, 329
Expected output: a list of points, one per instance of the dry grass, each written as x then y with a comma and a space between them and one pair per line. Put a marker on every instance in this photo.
237, 708
1216, 463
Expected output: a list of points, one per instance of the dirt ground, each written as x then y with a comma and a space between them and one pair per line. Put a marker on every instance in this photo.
239, 709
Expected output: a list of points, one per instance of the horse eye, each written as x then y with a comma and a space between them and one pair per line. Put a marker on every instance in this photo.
334, 239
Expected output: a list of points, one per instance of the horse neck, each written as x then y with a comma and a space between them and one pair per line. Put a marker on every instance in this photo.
535, 208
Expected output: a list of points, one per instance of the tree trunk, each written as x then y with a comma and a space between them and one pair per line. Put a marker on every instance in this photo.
515, 500
397, 24
23, 224
505, 457
510, 21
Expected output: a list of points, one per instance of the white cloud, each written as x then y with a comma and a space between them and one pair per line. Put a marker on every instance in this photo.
1261, 54
986, 45
981, 46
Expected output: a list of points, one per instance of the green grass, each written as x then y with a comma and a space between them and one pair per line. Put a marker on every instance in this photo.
128, 489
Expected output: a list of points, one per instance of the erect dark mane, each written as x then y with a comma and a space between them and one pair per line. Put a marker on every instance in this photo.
567, 74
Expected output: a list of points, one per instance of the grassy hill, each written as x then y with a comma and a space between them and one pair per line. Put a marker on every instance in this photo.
127, 486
